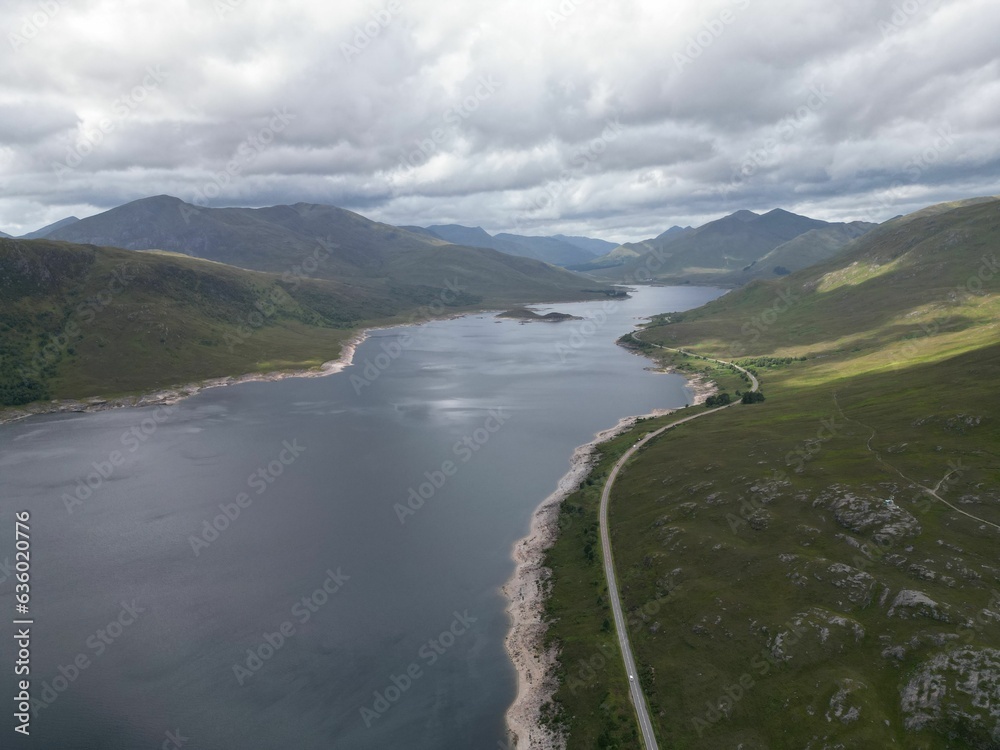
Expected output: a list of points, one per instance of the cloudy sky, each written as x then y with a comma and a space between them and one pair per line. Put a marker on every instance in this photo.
615, 118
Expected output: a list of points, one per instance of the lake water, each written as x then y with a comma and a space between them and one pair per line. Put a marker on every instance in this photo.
253, 569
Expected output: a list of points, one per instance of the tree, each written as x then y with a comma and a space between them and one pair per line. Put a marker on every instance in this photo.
723, 399
752, 397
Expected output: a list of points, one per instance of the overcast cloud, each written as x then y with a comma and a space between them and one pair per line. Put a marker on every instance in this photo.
615, 119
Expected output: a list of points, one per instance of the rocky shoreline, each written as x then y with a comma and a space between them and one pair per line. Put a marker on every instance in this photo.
527, 590
169, 396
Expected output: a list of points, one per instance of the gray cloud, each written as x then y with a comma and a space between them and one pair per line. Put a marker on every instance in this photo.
420, 111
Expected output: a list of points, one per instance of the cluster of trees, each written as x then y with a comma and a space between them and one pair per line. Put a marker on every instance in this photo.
756, 362
16, 387
19, 392
722, 399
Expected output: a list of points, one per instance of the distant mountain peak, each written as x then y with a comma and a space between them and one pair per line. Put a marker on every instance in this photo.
50, 228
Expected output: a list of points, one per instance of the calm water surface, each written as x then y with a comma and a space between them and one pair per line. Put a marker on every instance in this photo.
255, 571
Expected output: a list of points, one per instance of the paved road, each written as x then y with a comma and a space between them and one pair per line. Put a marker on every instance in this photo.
638, 697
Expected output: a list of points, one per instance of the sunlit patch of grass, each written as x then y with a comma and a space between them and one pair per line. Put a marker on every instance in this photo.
855, 274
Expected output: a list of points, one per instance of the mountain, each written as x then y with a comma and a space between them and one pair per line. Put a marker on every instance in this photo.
4, 235
805, 250
332, 242
836, 544
547, 249
718, 248
621, 254
593, 246
892, 282
459, 235
673, 233
81, 321
47, 230
714, 253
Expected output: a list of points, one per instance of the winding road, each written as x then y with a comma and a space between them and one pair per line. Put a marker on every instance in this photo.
635, 689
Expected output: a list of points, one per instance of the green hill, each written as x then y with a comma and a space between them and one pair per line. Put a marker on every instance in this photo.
620, 255
818, 570
552, 250
801, 252
79, 320
719, 248
50, 228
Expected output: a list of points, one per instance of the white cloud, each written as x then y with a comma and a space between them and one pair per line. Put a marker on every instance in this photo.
699, 88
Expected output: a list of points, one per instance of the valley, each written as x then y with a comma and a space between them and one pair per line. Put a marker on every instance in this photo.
829, 554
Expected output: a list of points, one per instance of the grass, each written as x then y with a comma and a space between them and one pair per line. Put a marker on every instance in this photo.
83, 321
759, 527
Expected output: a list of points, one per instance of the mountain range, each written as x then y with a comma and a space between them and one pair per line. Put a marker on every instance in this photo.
279, 239
557, 250
287, 284
834, 544
729, 251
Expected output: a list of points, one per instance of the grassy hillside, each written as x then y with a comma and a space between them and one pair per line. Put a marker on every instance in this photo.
805, 250
719, 248
547, 249
79, 321
819, 570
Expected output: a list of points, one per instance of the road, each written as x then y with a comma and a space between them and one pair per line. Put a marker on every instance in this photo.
635, 689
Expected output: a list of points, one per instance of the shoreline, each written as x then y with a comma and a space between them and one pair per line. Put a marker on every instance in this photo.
171, 396
527, 590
